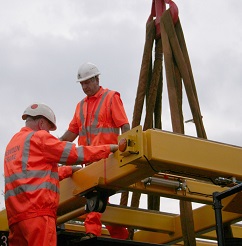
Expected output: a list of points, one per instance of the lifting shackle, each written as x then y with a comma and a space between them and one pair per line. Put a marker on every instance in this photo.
158, 8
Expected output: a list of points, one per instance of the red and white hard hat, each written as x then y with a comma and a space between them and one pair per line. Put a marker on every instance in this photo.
86, 71
41, 109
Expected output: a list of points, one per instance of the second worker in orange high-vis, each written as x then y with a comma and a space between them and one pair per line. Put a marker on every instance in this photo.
97, 120
32, 176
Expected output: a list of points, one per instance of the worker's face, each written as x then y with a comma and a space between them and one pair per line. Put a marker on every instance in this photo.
91, 86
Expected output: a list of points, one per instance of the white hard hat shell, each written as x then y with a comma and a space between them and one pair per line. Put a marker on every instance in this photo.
86, 71
36, 109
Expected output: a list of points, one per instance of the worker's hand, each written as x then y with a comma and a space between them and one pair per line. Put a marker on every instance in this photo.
113, 147
75, 168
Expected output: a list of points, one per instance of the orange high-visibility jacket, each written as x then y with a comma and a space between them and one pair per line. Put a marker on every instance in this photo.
106, 116
31, 171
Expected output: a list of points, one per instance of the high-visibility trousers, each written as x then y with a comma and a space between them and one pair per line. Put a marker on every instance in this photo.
38, 231
93, 225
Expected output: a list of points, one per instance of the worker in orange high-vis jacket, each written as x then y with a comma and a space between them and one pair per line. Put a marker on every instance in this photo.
97, 120
32, 176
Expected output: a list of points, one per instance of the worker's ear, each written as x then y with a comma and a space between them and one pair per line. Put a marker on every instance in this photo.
41, 123
97, 80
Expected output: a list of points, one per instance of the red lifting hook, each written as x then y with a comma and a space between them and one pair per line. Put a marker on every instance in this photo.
158, 8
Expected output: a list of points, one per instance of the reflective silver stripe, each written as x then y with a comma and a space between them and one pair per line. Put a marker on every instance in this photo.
25, 155
28, 188
54, 175
66, 152
31, 174
80, 152
95, 122
85, 129
82, 118
95, 130
81, 112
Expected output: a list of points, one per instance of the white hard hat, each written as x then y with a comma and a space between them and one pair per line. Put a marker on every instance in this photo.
36, 109
86, 71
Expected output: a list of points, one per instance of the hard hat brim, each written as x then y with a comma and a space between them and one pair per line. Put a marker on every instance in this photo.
88, 77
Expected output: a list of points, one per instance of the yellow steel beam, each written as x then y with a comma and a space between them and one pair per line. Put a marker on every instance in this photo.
155, 237
233, 203
71, 215
138, 218
236, 231
144, 236
168, 225
204, 220
74, 227
190, 156
80, 228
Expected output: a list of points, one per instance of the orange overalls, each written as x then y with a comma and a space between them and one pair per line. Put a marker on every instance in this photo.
32, 182
97, 120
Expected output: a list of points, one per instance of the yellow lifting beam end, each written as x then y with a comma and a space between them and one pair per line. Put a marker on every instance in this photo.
192, 157
188, 156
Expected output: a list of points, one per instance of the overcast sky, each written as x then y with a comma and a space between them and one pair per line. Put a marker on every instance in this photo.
42, 44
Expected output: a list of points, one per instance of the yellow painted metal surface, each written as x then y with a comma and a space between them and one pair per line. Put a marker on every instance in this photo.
4, 221
80, 228
192, 157
233, 203
140, 219
236, 231
70, 215
134, 149
158, 227
204, 221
